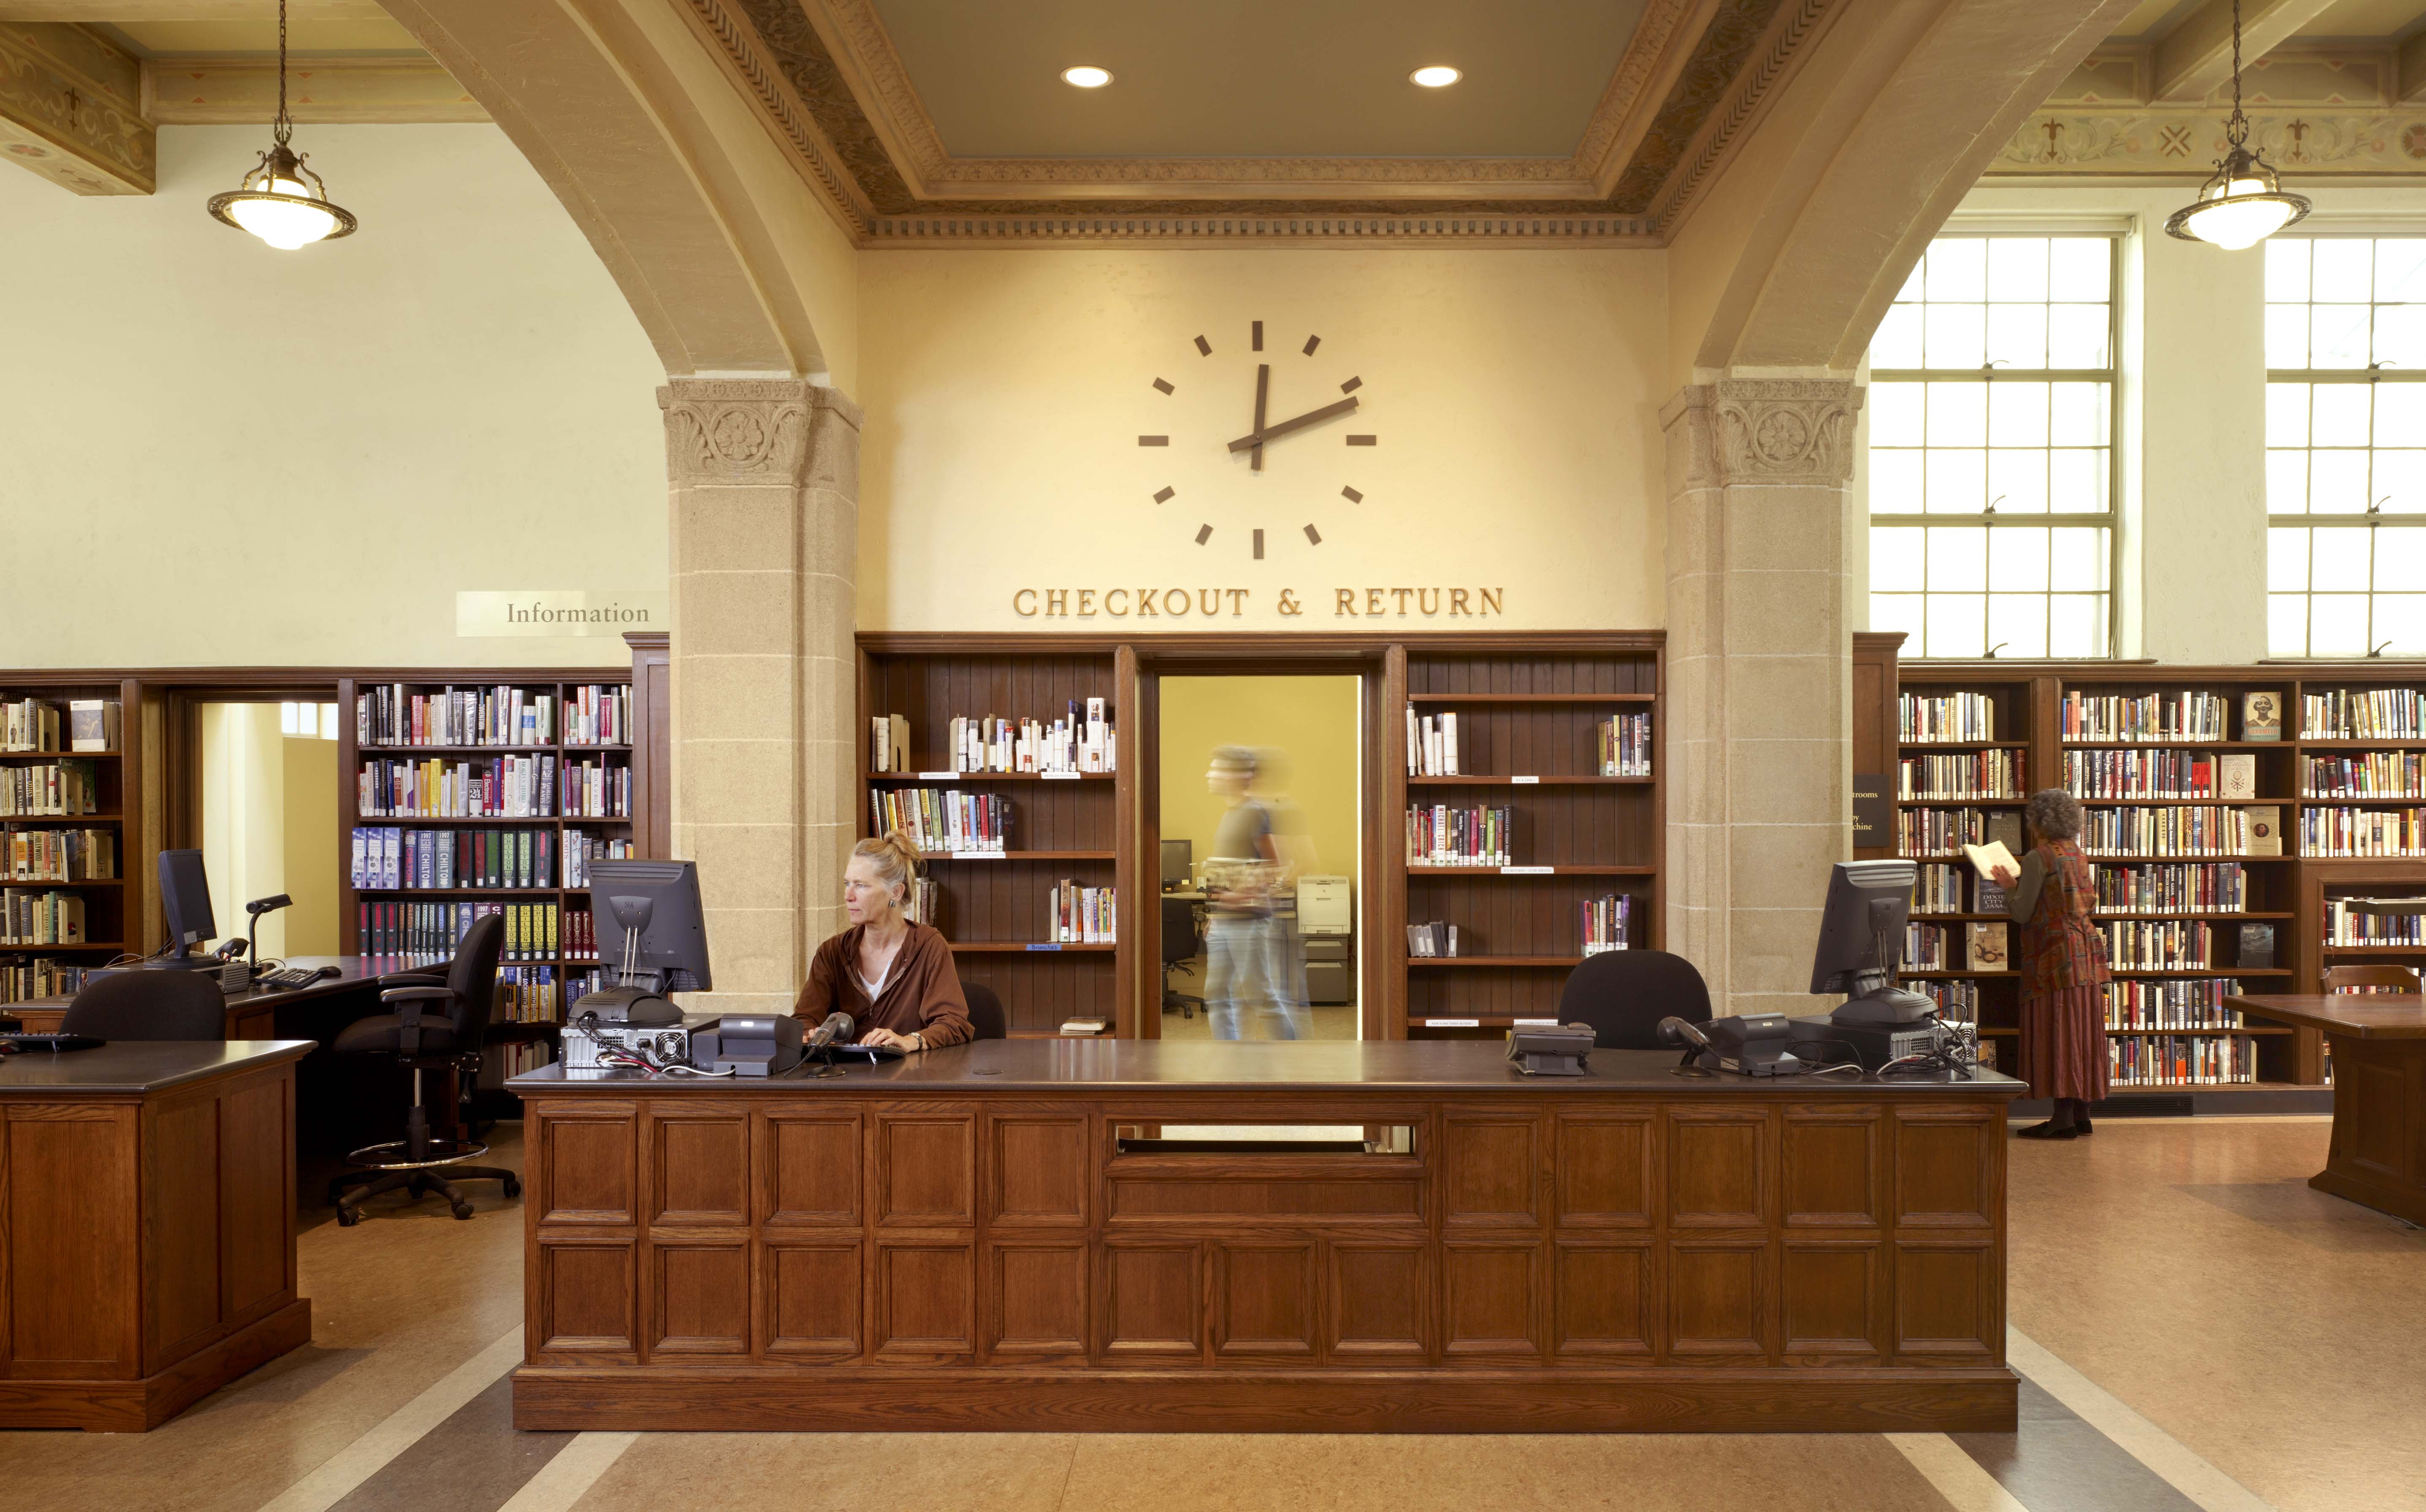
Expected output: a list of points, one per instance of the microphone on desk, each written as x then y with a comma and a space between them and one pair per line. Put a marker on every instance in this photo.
836, 1027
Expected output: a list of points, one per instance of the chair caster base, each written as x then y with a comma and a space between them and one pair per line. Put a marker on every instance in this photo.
348, 1217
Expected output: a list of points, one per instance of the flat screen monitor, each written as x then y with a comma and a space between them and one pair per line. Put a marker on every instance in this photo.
1861, 941
1177, 857
186, 899
646, 914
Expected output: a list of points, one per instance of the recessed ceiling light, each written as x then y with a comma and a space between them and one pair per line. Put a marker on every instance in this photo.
1087, 76
1438, 76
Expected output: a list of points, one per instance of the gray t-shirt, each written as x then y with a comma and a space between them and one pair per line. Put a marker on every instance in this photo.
1239, 837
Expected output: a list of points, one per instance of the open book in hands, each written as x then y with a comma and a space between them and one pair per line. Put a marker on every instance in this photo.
1989, 859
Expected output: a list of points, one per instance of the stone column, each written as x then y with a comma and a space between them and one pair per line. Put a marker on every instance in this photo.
765, 482
1759, 748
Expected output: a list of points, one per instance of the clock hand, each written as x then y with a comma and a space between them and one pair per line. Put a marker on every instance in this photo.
1263, 434
1263, 385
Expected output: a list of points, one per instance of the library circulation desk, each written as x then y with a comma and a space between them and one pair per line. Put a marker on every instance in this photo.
2378, 1154
1001, 1237
147, 1227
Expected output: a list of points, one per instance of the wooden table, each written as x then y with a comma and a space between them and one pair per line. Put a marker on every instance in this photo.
147, 1240
2378, 1155
251, 1014
986, 1237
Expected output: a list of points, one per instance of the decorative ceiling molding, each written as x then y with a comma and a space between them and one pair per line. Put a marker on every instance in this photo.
835, 94
219, 92
70, 110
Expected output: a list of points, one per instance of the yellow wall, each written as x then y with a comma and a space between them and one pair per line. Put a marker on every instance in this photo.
244, 815
1515, 395
310, 813
1311, 718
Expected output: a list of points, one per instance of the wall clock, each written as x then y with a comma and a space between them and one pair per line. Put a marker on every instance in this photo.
1280, 413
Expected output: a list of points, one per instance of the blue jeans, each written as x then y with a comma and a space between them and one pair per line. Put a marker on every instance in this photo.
1244, 968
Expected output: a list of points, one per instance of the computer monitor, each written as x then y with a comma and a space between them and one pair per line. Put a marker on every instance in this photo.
1178, 856
660, 901
1861, 942
186, 898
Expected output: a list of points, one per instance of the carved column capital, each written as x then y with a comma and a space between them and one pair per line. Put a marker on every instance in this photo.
1785, 430
746, 430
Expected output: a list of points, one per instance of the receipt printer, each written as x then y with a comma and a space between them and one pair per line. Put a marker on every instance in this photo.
1753, 1043
1551, 1049
748, 1044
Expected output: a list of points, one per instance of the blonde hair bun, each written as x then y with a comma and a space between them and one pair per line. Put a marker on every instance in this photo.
895, 857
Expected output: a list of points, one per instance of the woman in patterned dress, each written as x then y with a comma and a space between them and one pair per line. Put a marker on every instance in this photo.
2063, 967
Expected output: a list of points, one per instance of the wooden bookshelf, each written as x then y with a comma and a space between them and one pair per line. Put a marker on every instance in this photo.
1528, 708
2287, 890
116, 917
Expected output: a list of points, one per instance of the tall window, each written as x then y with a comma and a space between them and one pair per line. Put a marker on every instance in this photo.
1992, 450
2346, 445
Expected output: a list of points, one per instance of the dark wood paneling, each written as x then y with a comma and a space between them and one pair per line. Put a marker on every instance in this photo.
1718, 1165
925, 1169
1036, 1171
809, 1167
924, 1299
588, 1163
1603, 1300
1491, 1301
699, 1166
258, 1196
1605, 1171
1719, 1299
1835, 1300
810, 1299
1378, 1305
181, 1150
1152, 1300
587, 1298
1833, 1164
1264, 1299
73, 1307
1491, 1170
1946, 1170
700, 1299
1950, 1300
1035, 1299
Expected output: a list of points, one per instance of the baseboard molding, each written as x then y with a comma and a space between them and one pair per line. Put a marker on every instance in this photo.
140, 1406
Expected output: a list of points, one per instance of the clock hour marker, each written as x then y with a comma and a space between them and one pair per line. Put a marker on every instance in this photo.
1311, 343
1259, 545
1351, 495
1204, 534
1313, 536
1204, 348
1154, 441
1164, 384
1260, 336
1364, 440
1164, 496
1351, 385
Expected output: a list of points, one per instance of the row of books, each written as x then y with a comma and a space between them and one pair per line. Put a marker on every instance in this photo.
507, 787
2189, 715
1957, 1002
1945, 832
1444, 836
1930, 947
943, 820
2180, 1060
1083, 740
1625, 745
393, 714
582, 847
2363, 831
2193, 1003
541, 994
2189, 831
2165, 887
2344, 927
2375, 774
58, 855
1606, 922
1432, 743
2159, 774
1076, 914
390, 857
42, 976
35, 725
1436, 939
1929, 717
2158, 944
2366, 714
30, 918
1942, 885
428, 931
924, 901
49, 788
1976, 773
1925, 948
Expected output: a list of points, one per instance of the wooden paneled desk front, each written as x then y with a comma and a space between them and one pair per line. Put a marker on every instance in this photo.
2378, 1154
992, 1237
147, 1251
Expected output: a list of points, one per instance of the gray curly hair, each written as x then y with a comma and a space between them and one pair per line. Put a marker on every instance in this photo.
2055, 813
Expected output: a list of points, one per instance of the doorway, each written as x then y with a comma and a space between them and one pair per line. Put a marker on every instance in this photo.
1260, 807
269, 812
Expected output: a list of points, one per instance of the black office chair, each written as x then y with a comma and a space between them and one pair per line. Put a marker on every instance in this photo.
435, 1026
985, 1012
1624, 993
1181, 944
163, 1005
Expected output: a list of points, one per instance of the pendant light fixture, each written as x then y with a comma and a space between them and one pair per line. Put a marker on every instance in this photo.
280, 200
2244, 203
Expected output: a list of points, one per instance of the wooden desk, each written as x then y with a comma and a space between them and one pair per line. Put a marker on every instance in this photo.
251, 1014
147, 1243
2378, 1154
973, 1239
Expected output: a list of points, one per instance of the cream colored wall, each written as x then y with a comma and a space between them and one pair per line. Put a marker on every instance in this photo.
235, 456
308, 843
244, 816
1311, 719
1515, 395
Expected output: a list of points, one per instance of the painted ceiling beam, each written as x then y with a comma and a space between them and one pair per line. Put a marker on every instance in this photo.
71, 110
223, 92
137, 12
2195, 57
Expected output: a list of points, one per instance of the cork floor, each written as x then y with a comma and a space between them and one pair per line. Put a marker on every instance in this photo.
2194, 1326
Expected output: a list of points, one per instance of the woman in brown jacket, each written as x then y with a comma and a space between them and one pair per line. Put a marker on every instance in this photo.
2062, 957
894, 977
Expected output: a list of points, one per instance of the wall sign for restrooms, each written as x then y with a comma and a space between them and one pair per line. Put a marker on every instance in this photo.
1300, 438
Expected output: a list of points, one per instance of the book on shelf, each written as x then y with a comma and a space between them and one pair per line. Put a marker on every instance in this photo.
2186, 1002
1975, 774
597, 789
1607, 923
1082, 741
392, 713
2159, 887
2159, 944
1987, 897
1076, 914
2092, 774
2374, 774
1432, 743
431, 930
2257, 947
1444, 836
2236, 776
598, 714
581, 848
1925, 948
526, 994
1984, 948
2334, 831
924, 903
40, 976
2263, 824
93, 724
29, 724
2262, 717
2344, 927
49, 790
58, 855
504, 787
1435, 939
2364, 714
388, 857
1923, 718
1989, 858
888, 743
2188, 716
2186, 831
944, 821
1958, 1002
1938, 887
1086, 1026
2180, 1060
1625, 745
46, 918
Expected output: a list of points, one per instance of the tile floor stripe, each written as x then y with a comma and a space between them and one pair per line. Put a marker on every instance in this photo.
568, 1477
2179, 1466
1961, 1480
366, 1455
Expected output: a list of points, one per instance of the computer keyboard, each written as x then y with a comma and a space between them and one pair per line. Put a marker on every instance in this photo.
26, 1041
294, 977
